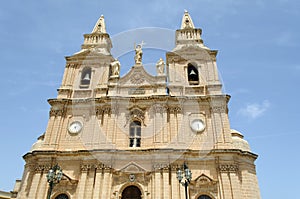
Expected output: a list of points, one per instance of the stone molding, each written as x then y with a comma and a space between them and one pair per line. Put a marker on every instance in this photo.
174, 109
42, 168
228, 168
219, 109
56, 113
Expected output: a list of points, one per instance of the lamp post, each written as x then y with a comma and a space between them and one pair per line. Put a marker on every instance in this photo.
184, 177
53, 177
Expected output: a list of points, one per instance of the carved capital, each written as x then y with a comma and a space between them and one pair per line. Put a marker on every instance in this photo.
85, 167
115, 109
161, 166
228, 168
174, 109
159, 108
41, 168
55, 113
218, 109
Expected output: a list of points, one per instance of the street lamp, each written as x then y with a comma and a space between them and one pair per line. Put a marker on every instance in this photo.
53, 177
184, 177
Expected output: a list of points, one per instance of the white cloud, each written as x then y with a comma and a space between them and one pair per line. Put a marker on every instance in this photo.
254, 110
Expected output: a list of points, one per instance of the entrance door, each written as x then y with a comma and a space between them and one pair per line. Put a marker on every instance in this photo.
131, 192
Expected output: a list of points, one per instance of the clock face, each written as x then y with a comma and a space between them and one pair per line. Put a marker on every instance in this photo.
75, 127
197, 125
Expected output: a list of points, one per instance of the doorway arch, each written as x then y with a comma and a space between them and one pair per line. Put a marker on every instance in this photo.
131, 192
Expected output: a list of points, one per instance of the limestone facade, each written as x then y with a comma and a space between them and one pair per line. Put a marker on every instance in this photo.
125, 137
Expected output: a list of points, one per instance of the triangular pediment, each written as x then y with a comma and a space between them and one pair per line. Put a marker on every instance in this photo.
90, 54
132, 167
204, 180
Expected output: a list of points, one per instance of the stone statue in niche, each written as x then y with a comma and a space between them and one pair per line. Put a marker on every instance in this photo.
160, 67
138, 53
115, 68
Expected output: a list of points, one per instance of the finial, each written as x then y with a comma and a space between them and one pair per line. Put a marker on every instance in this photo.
100, 26
187, 21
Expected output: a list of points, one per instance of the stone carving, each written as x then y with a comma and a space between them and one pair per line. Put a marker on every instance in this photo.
175, 109
228, 168
159, 108
218, 109
138, 53
137, 78
41, 168
56, 112
131, 177
160, 67
115, 68
135, 113
161, 166
85, 167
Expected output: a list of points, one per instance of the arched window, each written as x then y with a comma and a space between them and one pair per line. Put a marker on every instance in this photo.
62, 196
193, 75
135, 134
204, 197
85, 77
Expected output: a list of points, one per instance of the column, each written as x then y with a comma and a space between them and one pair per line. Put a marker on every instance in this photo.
166, 183
43, 187
25, 180
175, 184
35, 183
98, 182
82, 181
157, 184
217, 126
105, 183
235, 185
227, 187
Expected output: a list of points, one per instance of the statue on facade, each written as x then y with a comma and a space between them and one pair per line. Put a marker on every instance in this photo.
138, 53
115, 68
160, 67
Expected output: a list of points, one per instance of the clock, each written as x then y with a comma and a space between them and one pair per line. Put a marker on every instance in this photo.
197, 125
75, 127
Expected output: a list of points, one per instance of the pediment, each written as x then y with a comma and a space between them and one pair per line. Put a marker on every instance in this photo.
132, 167
92, 53
137, 76
204, 180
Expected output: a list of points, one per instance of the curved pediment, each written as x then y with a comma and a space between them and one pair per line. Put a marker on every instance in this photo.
137, 82
137, 76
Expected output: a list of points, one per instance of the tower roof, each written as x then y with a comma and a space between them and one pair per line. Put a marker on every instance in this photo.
188, 34
100, 26
187, 21
98, 39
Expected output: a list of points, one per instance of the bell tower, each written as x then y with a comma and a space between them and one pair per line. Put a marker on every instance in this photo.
129, 136
192, 67
87, 71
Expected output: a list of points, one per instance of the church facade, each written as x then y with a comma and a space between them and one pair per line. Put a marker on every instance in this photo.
122, 137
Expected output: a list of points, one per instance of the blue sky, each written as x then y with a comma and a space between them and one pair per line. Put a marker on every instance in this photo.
258, 43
